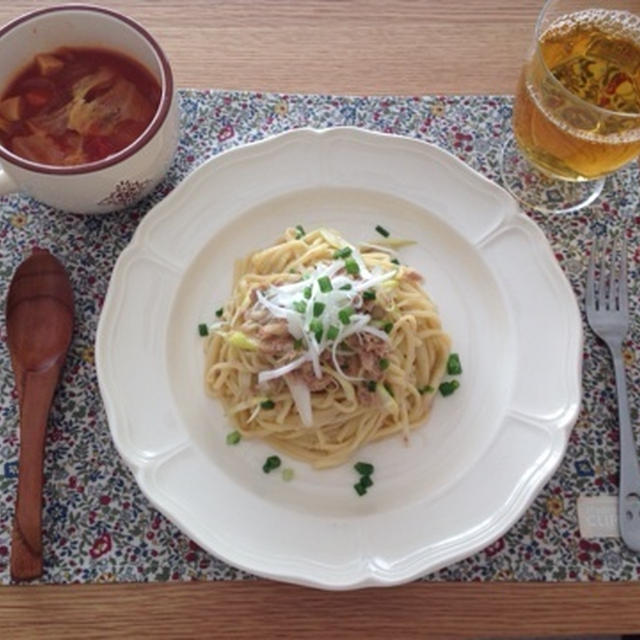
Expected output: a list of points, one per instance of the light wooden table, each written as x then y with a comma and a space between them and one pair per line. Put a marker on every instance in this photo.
348, 46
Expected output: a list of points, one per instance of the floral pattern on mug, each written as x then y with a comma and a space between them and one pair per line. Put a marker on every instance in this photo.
125, 193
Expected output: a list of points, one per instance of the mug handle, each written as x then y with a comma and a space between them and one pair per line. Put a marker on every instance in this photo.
7, 185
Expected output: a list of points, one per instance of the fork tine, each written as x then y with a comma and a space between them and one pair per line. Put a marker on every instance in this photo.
614, 275
591, 275
602, 266
623, 294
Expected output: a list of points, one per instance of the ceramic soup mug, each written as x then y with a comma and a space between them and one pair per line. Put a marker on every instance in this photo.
117, 180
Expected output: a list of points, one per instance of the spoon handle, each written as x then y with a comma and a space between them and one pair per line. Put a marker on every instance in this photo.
36, 389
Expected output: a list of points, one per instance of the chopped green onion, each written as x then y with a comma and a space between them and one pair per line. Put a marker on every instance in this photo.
325, 284
306, 276
447, 388
219, 312
387, 327
370, 294
318, 308
382, 231
332, 332
371, 385
267, 404
395, 261
345, 252
300, 306
387, 386
287, 474
345, 315
364, 468
383, 363
271, 463
454, 366
307, 292
242, 341
300, 231
234, 437
292, 270
351, 266
297, 344
315, 326
203, 330
345, 287
426, 389
360, 490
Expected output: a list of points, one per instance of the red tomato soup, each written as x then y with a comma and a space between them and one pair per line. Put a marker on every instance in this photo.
76, 105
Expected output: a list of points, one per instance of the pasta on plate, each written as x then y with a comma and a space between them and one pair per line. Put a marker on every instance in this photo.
324, 346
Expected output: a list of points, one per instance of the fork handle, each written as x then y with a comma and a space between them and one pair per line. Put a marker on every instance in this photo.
629, 499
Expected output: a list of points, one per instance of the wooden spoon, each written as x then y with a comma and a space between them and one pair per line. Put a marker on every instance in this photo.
39, 317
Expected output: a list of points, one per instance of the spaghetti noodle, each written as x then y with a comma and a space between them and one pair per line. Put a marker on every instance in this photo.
323, 347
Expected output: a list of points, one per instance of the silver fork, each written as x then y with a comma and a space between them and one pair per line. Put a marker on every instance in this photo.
608, 314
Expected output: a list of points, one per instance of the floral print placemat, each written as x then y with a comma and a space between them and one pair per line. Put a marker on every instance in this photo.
97, 525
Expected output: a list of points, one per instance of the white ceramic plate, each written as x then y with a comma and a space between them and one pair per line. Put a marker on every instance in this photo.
467, 475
